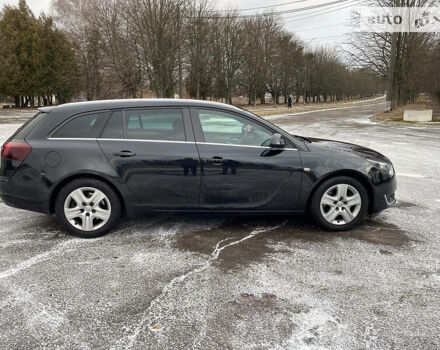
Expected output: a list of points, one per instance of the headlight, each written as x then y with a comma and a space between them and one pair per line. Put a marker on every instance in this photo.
384, 168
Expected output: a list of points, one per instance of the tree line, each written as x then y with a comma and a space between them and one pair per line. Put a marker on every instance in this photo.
119, 48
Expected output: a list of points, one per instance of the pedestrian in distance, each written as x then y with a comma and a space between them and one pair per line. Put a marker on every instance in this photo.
289, 102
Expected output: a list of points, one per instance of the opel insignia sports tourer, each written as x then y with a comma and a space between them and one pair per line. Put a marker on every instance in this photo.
90, 163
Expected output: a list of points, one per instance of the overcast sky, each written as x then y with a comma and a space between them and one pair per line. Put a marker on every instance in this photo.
312, 25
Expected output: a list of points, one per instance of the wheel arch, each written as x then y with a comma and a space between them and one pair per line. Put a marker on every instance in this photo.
76, 176
348, 173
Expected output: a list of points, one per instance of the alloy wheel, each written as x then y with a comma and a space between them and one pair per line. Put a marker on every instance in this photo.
87, 209
340, 204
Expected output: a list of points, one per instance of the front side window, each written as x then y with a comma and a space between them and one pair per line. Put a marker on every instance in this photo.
83, 126
221, 127
155, 124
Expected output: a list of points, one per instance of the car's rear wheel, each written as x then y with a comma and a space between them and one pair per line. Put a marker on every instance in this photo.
340, 203
88, 208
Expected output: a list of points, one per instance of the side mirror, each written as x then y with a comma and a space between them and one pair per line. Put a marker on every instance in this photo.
277, 141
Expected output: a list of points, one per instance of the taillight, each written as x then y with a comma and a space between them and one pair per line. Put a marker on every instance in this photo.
15, 150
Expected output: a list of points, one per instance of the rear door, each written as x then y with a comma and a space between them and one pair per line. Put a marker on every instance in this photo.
239, 169
154, 152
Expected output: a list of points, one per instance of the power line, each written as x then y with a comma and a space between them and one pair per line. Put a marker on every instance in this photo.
321, 13
313, 28
336, 6
325, 37
283, 12
261, 7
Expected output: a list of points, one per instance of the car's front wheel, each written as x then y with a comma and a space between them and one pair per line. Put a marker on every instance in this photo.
340, 203
88, 208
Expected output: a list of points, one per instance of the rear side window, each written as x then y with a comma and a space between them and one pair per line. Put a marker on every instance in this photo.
155, 124
115, 127
84, 126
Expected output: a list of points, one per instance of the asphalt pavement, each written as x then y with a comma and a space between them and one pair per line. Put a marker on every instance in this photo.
213, 282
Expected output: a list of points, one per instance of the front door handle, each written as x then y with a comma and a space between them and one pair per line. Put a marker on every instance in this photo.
217, 160
124, 154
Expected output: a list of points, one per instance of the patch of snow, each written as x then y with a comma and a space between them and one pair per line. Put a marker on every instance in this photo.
6, 130
40, 318
313, 325
151, 319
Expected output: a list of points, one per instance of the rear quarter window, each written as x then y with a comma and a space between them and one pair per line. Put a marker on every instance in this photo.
27, 127
83, 126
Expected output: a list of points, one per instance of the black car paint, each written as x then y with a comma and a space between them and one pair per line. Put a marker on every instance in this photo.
194, 176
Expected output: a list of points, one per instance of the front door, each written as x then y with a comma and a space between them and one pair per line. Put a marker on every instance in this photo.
239, 169
154, 153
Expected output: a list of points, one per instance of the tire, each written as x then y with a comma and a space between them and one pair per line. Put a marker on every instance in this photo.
88, 219
340, 204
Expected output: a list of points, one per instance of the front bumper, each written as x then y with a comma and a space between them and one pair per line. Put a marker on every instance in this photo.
384, 195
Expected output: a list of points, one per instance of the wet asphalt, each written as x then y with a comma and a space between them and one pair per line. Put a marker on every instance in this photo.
214, 282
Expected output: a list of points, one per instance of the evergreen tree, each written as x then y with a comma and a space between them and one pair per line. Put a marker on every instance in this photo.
35, 58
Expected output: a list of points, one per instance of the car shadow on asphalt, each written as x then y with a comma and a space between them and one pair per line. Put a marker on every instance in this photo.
267, 235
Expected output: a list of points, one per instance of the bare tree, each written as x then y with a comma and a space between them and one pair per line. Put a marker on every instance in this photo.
227, 51
156, 28
75, 18
254, 67
291, 59
433, 81
120, 60
198, 50
397, 57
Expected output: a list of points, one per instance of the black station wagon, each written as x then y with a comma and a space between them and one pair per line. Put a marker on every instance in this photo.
92, 162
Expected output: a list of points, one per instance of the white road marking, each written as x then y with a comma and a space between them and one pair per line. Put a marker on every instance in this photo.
57, 249
415, 176
359, 103
279, 116
129, 341
12, 242
23, 265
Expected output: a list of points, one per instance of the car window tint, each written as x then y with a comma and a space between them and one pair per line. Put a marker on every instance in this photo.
84, 126
134, 122
155, 124
27, 127
221, 127
115, 127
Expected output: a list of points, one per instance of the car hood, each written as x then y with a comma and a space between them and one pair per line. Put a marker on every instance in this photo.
350, 148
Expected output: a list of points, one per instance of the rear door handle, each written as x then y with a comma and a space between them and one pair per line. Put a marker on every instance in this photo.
217, 160
124, 154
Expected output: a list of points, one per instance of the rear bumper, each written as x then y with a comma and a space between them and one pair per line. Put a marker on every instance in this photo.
384, 195
18, 197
